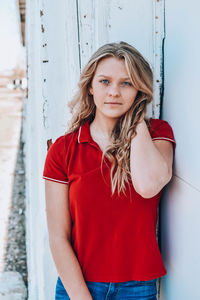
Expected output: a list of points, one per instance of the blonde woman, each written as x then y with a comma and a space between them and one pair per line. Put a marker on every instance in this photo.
104, 179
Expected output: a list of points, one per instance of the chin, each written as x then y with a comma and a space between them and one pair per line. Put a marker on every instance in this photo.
113, 116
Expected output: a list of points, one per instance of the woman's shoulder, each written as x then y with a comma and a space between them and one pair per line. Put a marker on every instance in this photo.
156, 124
64, 140
161, 130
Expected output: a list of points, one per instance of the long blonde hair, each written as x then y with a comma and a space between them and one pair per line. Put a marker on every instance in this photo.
83, 108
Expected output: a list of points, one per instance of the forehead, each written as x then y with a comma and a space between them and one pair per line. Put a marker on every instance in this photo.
111, 66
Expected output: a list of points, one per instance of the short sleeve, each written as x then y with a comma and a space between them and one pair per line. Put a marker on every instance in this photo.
55, 162
161, 130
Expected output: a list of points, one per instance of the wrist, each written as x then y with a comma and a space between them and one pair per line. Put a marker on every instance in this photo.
85, 295
141, 125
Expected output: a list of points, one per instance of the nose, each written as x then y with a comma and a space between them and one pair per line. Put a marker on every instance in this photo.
113, 90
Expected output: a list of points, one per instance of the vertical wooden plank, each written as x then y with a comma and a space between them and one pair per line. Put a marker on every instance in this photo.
131, 21
158, 36
44, 62
158, 44
140, 23
71, 38
53, 69
101, 17
60, 64
33, 137
93, 21
86, 23
60, 70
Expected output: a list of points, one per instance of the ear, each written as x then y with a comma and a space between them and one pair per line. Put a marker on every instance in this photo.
90, 90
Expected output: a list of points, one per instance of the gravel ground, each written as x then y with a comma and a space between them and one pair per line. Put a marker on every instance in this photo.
15, 258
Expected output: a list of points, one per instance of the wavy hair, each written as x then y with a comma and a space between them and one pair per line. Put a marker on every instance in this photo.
83, 108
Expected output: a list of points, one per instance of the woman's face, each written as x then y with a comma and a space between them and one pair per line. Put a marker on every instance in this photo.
112, 90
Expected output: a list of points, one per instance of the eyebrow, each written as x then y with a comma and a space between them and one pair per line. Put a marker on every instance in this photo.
124, 78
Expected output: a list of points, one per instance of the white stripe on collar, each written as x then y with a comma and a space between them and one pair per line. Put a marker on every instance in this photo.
79, 132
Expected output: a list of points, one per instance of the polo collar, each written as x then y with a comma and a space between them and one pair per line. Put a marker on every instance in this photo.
84, 135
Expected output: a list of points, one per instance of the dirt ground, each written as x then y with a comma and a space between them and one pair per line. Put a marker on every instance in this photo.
15, 256
12, 184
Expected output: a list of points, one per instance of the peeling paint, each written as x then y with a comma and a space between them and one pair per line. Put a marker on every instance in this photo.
44, 113
49, 143
42, 27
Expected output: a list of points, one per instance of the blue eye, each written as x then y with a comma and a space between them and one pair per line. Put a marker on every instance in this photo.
104, 81
126, 83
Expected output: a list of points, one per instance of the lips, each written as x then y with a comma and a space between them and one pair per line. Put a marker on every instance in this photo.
113, 103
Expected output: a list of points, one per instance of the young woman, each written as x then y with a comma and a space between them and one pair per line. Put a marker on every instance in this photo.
104, 179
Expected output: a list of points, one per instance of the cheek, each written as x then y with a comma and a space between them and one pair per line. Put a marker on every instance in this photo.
130, 98
98, 93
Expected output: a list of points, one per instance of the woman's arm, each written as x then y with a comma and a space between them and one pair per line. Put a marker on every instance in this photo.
59, 228
150, 162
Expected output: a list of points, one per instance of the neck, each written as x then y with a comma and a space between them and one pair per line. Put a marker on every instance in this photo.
103, 126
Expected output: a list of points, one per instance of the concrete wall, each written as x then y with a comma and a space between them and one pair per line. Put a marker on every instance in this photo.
181, 105
60, 37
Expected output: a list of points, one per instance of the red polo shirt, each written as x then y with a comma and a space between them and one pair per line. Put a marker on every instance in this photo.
114, 237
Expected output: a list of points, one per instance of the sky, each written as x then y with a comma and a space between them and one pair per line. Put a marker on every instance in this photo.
12, 52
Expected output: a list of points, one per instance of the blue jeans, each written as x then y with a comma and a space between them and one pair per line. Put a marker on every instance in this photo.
142, 290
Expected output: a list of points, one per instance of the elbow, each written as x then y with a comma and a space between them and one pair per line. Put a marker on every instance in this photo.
147, 193
144, 190
154, 187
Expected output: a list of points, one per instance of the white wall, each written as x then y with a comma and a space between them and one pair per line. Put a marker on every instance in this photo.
11, 61
34, 144
61, 35
181, 202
